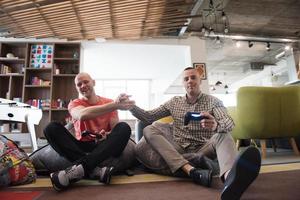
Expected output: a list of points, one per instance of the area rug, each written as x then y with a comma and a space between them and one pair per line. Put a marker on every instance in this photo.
268, 186
19, 195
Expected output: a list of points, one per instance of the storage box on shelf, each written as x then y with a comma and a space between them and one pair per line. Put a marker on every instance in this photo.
42, 75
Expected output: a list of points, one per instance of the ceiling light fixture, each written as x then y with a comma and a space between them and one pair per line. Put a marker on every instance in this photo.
280, 55
218, 83
226, 29
100, 39
218, 41
224, 17
250, 44
214, 18
287, 47
268, 47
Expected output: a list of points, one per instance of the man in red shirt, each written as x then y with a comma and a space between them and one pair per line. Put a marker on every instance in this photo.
99, 135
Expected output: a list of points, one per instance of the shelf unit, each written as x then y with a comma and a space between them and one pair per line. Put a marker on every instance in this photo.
50, 86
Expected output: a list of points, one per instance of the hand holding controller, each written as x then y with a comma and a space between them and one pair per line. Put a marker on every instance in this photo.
196, 116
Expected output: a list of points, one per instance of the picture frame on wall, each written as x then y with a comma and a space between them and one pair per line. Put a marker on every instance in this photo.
203, 67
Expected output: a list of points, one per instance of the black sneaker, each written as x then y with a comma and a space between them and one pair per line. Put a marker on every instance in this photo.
244, 171
103, 174
201, 176
62, 179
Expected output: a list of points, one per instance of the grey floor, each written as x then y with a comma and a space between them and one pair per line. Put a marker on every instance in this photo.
280, 157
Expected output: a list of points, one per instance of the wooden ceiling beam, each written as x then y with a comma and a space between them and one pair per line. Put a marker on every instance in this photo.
16, 25
112, 20
78, 19
28, 6
44, 18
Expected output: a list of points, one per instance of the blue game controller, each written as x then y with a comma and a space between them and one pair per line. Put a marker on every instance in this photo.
195, 116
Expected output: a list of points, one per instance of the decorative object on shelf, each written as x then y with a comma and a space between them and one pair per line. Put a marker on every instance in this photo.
10, 55
59, 103
76, 55
38, 81
202, 69
4, 69
41, 56
39, 103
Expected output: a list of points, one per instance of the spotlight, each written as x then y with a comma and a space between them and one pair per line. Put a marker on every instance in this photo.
238, 44
224, 17
268, 47
250, 44
211, 32
218, 41
280, 55
287, 47
203, 29
226, 30
218, 83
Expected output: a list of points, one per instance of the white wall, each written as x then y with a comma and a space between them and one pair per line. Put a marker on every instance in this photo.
160, 60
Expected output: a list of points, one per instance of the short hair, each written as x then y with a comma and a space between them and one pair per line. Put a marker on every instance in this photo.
198, 69
188, 68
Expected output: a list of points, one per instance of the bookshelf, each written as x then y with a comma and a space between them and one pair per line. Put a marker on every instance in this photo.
40, 74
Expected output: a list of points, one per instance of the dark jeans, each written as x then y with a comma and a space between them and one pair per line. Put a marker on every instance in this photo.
89, 154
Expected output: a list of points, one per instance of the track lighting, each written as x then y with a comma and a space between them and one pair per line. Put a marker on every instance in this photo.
218, 41
218, 83
224, 17
226, 29
268, 47
203, 29
250, 44
287, 47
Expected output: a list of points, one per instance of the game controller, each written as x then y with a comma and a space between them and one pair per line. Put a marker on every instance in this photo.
195, 116
89, 133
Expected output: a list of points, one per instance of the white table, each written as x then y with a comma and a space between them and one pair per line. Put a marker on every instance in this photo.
21, 112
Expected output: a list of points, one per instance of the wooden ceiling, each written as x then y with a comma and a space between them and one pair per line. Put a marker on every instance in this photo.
90, 19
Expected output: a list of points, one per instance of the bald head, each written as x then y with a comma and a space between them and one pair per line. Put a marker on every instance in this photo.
85, 84
82, 75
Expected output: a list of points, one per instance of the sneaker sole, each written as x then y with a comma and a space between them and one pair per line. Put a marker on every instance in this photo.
58, 189
210, 179
245, 170
106, 179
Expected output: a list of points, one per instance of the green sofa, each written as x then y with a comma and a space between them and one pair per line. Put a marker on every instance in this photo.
267, 113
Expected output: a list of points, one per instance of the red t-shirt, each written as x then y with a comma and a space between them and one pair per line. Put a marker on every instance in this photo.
95, 124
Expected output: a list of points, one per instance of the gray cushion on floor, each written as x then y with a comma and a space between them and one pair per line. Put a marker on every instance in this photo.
152, 160
47, 160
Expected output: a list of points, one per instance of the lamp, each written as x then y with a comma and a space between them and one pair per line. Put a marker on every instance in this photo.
224, 17
218, 41
214, 20
268, 47
250, 44
287, 47
218, 83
